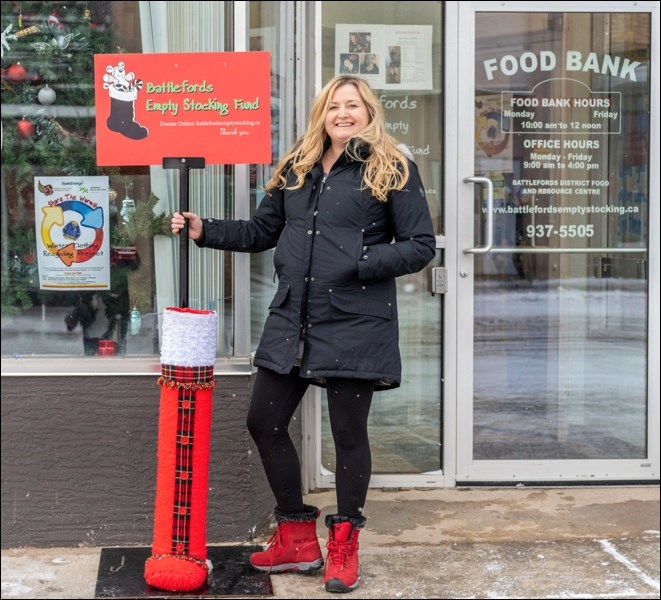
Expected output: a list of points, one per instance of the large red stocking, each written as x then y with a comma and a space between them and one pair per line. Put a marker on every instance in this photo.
179, 555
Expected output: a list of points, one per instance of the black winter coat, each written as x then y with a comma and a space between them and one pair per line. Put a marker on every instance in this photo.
337, 253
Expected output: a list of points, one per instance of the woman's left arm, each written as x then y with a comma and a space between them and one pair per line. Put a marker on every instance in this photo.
414, 244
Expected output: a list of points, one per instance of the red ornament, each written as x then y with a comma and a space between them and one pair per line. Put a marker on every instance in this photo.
16, 72
54, 20
25, 128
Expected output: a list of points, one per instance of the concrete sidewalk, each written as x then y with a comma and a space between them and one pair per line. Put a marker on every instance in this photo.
589, 542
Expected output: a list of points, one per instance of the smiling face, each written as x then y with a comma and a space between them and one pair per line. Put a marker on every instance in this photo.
347, 115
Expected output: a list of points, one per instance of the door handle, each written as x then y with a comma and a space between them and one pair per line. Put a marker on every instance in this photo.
489, 235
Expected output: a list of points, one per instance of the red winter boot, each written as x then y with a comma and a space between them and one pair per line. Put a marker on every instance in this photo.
341, 571
294, 545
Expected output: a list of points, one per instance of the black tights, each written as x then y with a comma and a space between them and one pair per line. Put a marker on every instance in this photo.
275, 398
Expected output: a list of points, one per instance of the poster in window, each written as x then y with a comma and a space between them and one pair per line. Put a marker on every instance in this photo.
72, 233
493, 142
390, 57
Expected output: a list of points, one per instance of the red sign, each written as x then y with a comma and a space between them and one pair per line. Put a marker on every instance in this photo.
211, 105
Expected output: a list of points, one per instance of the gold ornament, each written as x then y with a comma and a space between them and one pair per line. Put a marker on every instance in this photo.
27, 31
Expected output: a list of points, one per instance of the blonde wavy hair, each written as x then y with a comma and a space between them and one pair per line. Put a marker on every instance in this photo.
385, 166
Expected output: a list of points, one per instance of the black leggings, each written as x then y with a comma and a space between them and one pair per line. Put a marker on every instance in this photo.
275, 398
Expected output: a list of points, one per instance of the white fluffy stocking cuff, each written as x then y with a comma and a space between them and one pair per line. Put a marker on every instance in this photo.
189, 337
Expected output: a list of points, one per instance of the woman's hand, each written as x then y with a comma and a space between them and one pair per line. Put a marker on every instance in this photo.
178, 221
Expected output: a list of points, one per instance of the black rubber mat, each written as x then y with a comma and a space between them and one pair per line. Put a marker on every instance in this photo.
121, 575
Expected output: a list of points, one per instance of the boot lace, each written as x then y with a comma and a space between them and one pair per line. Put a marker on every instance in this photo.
338, 553
276, 542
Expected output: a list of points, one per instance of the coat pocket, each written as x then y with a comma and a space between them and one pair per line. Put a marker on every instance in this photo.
359, 305
280, 297
361, 336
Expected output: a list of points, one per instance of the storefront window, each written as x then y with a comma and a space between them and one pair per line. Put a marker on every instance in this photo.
75, 307
48, 136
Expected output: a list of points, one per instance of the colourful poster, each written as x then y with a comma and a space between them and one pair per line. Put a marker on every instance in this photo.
71, 218
216, 106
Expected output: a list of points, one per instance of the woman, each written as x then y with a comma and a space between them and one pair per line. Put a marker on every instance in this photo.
349, 63
370, 67
347, 214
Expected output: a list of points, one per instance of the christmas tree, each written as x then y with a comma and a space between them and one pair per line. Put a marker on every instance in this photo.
47, 120
48, 128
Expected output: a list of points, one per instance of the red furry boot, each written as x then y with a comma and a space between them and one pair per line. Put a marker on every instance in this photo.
294, 545
341, 571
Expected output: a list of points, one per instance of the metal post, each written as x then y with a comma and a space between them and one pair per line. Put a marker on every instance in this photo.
184, 165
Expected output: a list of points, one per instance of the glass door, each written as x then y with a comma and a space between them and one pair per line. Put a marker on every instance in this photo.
557, 243
398, 48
